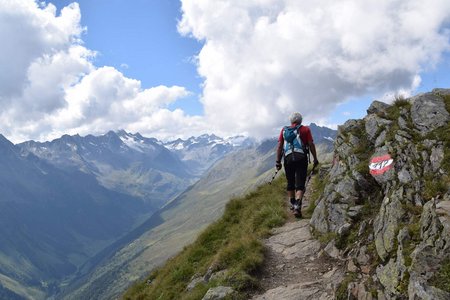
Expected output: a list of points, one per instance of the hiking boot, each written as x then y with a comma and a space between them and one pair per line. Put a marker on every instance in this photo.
293, 202
298, 208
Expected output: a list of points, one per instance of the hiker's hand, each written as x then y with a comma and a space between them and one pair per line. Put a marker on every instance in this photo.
278, 165
316, 162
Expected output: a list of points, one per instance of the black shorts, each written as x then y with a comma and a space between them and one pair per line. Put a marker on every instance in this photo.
296, 173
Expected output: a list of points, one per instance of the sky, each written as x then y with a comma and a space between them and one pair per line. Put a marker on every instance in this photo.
170, 69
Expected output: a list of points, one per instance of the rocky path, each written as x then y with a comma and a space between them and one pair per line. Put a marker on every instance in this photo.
296, 267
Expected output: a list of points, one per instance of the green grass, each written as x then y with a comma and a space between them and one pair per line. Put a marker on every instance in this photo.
317, 186
232, 243
400, 101
341, 292
393, 112
441, 279
434, 186
402, 287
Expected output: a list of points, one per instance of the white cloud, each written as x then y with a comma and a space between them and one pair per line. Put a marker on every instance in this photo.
30, 33
263, 59
49, 85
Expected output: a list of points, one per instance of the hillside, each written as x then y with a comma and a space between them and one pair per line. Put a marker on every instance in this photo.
52, 222
228, 252
382, 209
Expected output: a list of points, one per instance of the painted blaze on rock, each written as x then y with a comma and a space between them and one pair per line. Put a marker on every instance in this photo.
380, 164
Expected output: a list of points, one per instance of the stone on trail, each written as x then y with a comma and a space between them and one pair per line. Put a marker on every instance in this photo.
218, 293
294, 240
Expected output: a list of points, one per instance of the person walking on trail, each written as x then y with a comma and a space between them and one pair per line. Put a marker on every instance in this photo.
294, 143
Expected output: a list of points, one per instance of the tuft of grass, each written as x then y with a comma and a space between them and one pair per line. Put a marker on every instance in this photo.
412, 223
345, 240
317, 186
324, 238
402, 287
441, 279
400, 101
233, 243
341, 292
393, 112
434, 186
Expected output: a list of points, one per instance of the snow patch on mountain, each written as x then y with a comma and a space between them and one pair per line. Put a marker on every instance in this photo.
135, 142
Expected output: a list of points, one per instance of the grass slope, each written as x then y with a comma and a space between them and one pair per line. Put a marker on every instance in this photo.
232, 243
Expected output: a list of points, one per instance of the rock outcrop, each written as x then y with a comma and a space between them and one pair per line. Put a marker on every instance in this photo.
387, 201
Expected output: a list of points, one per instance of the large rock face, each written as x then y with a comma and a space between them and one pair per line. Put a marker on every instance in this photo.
387, 198
428, 112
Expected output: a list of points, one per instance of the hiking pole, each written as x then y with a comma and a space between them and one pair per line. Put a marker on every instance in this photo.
273, 177
276, 172
307, 180
310, 174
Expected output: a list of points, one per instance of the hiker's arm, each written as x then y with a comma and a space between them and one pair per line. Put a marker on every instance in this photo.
279, 155
279, 150
312, 148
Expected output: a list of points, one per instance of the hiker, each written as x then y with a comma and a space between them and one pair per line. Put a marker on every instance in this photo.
295, 158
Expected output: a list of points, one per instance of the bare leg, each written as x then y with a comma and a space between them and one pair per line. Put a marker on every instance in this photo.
298, 194
291, 194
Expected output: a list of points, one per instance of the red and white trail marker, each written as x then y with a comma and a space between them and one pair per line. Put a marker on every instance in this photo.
380, 164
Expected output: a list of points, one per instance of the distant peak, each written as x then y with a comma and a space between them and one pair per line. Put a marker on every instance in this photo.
138, 135
6, 144
4, 140
121, 132
111, 134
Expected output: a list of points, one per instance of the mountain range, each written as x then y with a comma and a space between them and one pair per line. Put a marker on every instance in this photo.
78, 206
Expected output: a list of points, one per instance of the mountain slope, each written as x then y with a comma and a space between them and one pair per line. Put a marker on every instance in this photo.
52, 221
201, 152
124, 162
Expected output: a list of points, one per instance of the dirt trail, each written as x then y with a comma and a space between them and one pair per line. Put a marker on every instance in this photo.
296, 266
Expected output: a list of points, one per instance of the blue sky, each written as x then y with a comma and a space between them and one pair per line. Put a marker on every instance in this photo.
172, 69
141, 40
